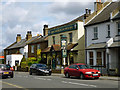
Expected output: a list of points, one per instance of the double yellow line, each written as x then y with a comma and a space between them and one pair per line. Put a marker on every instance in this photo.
13, 85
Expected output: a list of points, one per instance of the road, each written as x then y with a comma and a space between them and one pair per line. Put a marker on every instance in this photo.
24, 80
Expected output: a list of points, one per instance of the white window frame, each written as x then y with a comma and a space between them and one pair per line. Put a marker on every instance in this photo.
108, 30
95, 32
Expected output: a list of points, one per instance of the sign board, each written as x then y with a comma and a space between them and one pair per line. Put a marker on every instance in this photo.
63, 46
109, 42
64, 28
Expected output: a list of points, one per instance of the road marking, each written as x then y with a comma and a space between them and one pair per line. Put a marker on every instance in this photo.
42, 78
79, 84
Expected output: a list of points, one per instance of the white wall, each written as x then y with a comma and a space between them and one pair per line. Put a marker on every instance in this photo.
12, 58
102, 32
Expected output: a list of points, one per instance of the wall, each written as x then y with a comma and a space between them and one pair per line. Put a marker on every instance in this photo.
12, 58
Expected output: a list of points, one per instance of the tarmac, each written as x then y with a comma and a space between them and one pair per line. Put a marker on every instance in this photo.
101, 77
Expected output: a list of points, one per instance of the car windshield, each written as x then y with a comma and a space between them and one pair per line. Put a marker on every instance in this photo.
84, 66
2, 66
41, 65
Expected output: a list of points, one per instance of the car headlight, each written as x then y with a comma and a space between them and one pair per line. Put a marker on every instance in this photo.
99, 72
88, 72
41, 70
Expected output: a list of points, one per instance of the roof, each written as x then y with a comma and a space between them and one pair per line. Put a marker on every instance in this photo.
40, 39
56, 47
80, 18
101, 15
70, 46
115, 44
97, 46
117, 16
46, 49
22, 43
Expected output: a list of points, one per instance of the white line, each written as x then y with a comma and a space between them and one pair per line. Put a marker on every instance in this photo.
79, 84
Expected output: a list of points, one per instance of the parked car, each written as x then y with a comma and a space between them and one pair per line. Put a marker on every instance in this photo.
5, 71
11, 68
81, 70
40, 69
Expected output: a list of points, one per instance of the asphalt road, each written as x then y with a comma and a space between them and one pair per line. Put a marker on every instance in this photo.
24, 80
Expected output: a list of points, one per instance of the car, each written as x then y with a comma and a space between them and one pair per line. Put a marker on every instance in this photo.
5, 71
81, 70
11, 68
40, 69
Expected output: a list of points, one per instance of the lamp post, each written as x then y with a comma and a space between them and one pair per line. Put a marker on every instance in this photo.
63, 48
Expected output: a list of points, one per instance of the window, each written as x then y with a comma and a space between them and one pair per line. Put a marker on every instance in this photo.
32, 49
95, 32
91, 58
99, 58
38, 46
108, 30
53, 39
118, 28
70, 37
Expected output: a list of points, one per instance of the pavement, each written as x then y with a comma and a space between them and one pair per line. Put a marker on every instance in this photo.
102, 77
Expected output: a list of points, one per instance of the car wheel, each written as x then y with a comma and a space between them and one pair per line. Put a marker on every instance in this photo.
12, 75
67, 75
82, 76
30, 73
49, 74
96, 77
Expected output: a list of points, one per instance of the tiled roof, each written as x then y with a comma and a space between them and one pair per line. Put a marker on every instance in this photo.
70, 46
56, 47
102, 15
22, 43
46, 49
40, 39
97, 46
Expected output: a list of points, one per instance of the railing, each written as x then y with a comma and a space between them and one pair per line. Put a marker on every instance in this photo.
96, 12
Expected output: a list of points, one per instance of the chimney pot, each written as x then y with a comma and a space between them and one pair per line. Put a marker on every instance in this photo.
18, 38
29, 35
86, 10
89, 11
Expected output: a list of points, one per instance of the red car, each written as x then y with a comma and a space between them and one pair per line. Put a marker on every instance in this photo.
81, 70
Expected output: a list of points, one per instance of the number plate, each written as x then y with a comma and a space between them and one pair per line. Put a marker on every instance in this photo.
95, 74
6, 72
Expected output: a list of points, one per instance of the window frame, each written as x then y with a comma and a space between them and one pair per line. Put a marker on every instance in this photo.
53, 39
70, 37
108, 31
95, 33
118, 28
32, 48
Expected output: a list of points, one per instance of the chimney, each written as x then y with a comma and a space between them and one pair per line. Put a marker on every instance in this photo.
18, 38
29, 35
45, 30
89, 11
86, 10
98, 5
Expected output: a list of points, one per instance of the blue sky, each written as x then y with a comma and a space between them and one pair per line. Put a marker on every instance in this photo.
19, 17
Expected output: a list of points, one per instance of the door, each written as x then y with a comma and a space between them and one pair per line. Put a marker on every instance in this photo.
76, 71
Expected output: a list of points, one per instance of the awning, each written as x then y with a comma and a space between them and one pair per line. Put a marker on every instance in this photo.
97, 46
115, 44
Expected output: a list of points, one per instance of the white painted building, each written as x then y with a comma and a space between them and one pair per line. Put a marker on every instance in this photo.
102, 31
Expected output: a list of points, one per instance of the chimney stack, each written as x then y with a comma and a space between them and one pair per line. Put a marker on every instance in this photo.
29, 35
86, 10
45, 30
98, 5
89, 11
18, 38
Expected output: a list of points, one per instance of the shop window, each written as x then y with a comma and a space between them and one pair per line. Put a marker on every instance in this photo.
53, 39
99, 58
118, 28
70, 37
95, 32
32, 49
91, 58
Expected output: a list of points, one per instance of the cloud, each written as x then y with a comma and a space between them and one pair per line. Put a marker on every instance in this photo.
19, 17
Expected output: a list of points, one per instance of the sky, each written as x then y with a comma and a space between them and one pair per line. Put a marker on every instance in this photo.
18, 17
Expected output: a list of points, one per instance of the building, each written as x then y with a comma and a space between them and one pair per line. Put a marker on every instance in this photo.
1, 57
36, 46
102, 33
15, 52
74, 43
